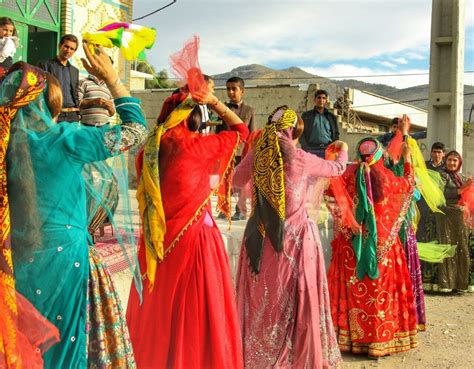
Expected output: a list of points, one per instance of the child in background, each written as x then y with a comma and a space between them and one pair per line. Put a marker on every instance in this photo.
235, 91
8, 42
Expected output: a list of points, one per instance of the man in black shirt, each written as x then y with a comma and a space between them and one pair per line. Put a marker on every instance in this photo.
320, 126
68, 76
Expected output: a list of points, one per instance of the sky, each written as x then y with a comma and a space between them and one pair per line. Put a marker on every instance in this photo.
331, 38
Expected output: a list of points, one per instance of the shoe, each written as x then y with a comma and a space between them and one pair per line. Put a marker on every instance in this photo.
221, 216
238, 216
460, 292
435, 287
427, 287
445, 290
470, 289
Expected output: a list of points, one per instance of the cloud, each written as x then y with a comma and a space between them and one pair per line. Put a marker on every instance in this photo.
401, 60
387, 64
288, 33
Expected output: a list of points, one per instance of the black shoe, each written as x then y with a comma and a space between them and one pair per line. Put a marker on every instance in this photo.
221, 216
238, 216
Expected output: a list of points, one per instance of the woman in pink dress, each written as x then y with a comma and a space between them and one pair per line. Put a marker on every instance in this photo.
282, 293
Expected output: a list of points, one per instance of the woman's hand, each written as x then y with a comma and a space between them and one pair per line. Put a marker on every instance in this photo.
340, 145
205, 98
98, 63
404, 125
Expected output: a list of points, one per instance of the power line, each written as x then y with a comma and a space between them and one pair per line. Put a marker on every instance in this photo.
328, 77
398, 102
155, 11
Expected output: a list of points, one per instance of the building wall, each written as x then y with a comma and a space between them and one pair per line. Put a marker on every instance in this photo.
373, 104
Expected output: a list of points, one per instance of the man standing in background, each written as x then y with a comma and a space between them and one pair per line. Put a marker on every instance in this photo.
320, 126
68, 77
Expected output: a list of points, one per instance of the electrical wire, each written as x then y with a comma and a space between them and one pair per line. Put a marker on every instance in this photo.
328, 77
155, 11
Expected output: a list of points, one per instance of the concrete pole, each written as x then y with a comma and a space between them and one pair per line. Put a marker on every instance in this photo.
446, 86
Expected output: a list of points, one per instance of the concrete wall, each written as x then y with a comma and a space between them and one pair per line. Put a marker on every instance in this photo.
263, 98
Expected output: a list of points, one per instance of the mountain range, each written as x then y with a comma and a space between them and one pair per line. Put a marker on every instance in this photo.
255, 74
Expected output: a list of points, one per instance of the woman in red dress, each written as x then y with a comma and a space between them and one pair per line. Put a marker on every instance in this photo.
370, 290
188, 317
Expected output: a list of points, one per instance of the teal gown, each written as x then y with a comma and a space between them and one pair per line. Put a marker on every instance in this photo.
55, 277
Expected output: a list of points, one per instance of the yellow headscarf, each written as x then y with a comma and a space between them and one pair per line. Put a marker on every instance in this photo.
268, 214
149, 194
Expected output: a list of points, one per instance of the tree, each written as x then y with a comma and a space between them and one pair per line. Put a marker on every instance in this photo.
160, 79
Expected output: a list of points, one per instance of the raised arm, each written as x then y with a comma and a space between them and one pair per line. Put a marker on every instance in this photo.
93, 144
318, 167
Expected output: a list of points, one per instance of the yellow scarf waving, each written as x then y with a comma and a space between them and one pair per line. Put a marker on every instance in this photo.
428, 182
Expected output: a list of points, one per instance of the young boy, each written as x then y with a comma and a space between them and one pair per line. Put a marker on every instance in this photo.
235, 92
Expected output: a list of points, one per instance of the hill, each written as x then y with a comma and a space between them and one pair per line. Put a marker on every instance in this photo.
255, 74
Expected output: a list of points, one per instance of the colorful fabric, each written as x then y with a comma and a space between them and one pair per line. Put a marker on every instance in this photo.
268, 200
375, 316
365, 241
185, 65
108, 340
132, 39
192, 283
433, 252
54, 275
428, 182
297, 331
24, 334
149, 198
414, 268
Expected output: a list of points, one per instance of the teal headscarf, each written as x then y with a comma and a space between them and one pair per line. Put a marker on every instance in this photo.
369, 151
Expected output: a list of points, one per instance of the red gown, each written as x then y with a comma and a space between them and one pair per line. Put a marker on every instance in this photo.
189, 319
375, 316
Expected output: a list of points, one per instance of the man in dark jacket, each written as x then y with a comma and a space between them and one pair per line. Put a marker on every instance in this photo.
68, 76
320, 126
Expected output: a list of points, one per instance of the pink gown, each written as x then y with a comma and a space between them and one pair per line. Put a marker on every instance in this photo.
284, 310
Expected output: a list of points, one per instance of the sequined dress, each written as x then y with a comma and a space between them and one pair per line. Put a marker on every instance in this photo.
284, 310
67, 284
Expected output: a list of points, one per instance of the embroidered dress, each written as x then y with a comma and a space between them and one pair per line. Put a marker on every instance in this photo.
374, 313
55, 278
284, 308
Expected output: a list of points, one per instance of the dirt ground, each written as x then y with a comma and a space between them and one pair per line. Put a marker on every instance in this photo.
448, 341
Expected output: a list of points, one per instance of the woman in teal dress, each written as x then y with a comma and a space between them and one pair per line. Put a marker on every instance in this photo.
63, 278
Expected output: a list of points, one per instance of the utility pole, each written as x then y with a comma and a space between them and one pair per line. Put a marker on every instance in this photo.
446, 86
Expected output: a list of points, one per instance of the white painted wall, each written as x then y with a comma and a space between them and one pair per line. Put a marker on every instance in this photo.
370, 103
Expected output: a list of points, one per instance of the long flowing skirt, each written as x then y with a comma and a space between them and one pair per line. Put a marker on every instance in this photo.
189, 319
54, 279
453, 273
374, 316
284, 310
414, 268
63, 281
108, 340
